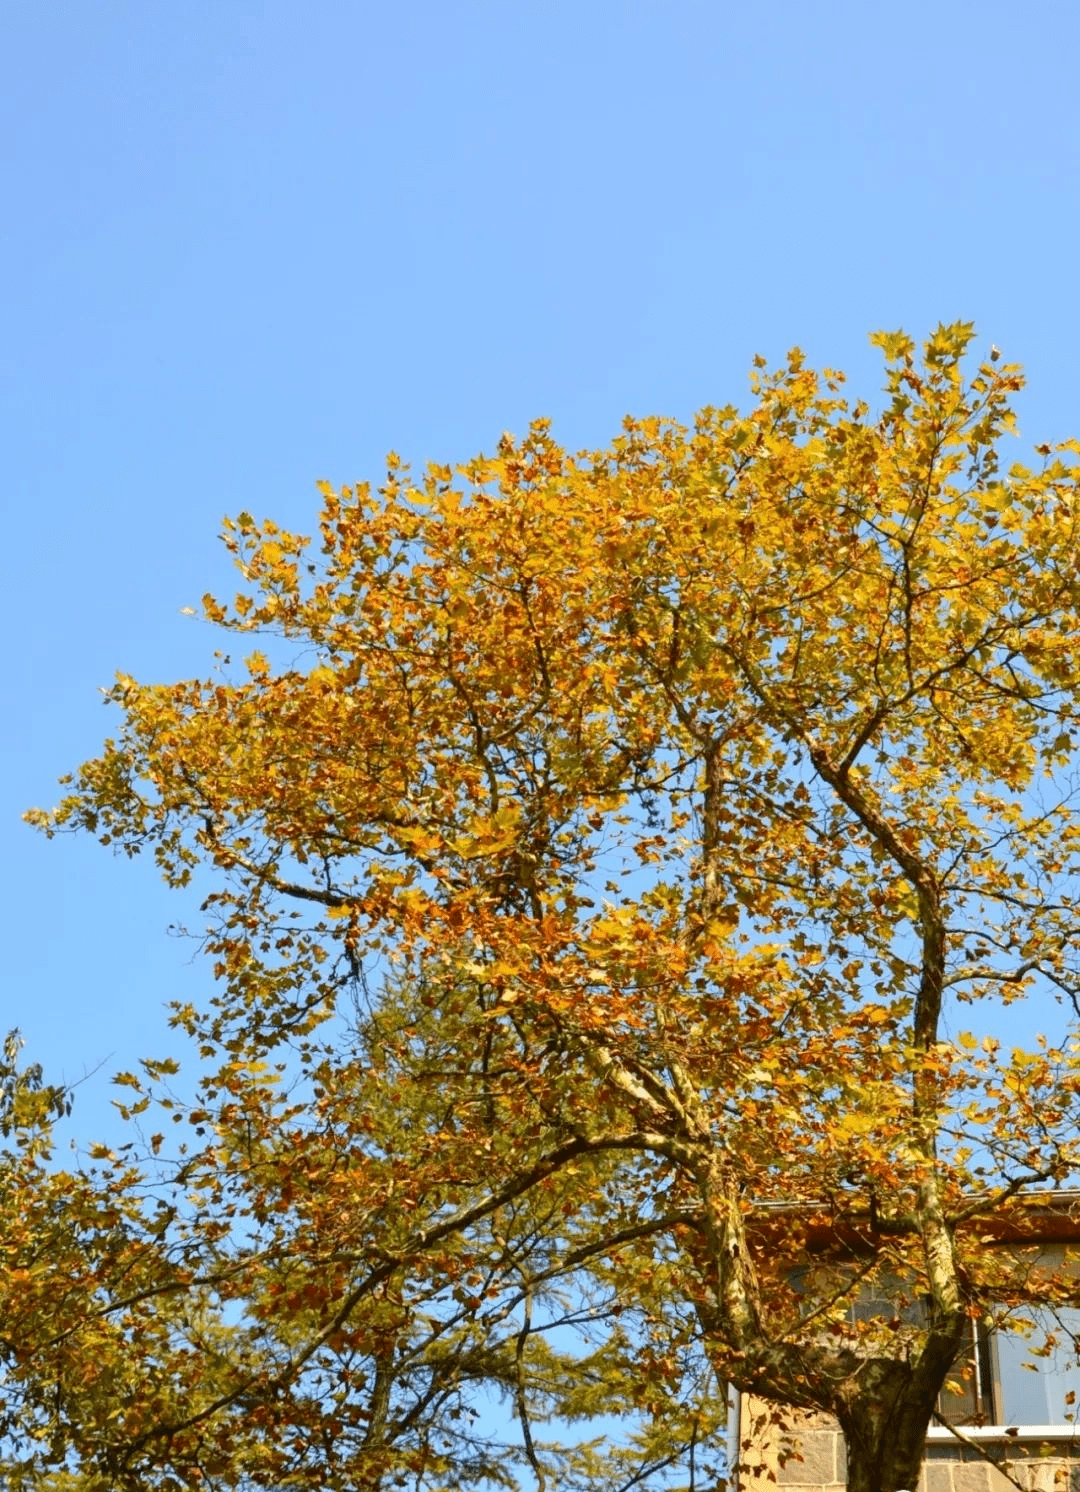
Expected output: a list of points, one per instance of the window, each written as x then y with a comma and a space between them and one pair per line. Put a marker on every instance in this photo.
968, 1398
1040, 1389
1016, 1377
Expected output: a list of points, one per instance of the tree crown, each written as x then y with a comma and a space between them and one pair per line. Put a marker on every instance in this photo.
650, 803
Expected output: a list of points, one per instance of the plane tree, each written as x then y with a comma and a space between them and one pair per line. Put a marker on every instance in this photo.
608, 853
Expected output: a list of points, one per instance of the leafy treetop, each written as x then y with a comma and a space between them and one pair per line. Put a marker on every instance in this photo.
604, 844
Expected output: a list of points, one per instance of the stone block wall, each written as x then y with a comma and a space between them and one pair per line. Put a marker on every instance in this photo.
1052, 1466
807, 1456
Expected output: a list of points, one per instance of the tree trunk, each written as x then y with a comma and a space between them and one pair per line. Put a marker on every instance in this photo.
886, 1442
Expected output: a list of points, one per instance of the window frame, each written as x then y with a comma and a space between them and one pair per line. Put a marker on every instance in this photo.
989, 1391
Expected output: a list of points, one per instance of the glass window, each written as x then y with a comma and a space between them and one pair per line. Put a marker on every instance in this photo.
968, 1398
1007, 1377
1015, 1377
1038, 1374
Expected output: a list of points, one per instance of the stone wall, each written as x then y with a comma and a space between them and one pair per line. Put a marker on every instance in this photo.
808, 1455
1052, 1466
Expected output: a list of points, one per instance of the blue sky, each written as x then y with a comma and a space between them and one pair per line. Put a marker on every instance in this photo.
249, 245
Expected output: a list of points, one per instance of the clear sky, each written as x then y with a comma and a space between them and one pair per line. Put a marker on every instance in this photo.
250, 243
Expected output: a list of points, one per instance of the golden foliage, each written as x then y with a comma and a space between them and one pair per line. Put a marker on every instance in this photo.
650, 804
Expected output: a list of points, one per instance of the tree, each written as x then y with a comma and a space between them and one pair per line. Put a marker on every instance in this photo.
603, 847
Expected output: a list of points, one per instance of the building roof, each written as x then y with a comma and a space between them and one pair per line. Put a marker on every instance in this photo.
833, 1225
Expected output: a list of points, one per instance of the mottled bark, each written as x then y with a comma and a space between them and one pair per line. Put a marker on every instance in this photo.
885, 1448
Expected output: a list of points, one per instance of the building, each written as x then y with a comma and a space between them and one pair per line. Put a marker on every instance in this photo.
1014, 1402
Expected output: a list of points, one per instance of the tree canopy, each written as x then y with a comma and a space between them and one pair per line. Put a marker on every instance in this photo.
607, 854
